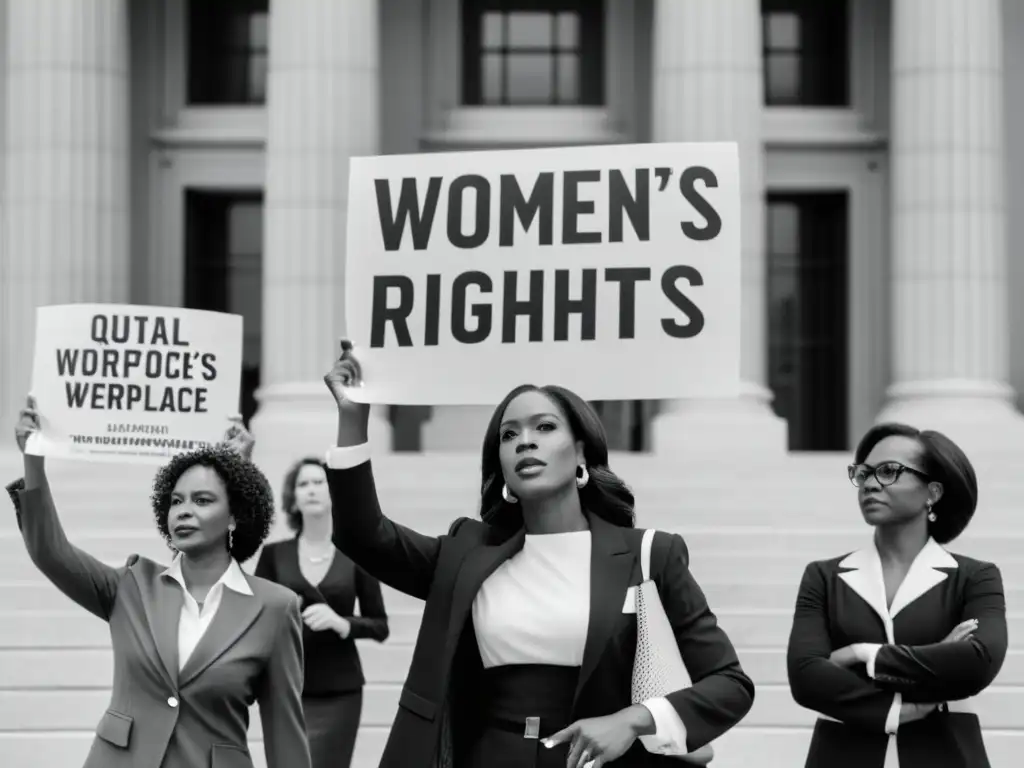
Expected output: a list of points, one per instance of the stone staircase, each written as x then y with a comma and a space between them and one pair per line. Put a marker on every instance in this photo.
750, 531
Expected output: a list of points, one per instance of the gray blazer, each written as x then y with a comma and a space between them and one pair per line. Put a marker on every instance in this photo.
159, 716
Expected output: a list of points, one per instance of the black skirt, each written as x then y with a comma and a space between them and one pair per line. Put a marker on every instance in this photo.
523, 704
332, 724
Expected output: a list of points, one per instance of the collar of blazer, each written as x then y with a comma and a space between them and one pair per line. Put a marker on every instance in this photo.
160, 601
865, 577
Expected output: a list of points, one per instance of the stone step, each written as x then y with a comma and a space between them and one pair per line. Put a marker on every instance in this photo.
804, 544
384, 663
735, 593
71, 709
774, 747
436, 518
783, 567
71, 627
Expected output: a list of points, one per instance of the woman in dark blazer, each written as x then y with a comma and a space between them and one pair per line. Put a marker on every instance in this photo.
328, 585
195, 642
890, 643
526, 649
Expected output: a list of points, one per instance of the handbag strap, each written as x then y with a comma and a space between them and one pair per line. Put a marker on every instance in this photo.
646, 545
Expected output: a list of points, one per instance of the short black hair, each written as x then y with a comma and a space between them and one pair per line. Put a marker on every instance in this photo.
249, 496
944, 462
291, 512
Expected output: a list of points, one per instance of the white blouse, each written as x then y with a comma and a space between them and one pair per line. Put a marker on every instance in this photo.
195, 620
535, 609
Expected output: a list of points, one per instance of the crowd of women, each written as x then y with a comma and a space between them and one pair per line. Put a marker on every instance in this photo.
527, 645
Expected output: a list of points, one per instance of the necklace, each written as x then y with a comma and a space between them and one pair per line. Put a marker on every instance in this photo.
316, 558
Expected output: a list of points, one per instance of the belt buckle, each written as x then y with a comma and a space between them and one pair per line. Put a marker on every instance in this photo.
532, 730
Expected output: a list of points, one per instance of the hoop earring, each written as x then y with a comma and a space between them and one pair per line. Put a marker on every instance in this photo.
506, 494
582, 477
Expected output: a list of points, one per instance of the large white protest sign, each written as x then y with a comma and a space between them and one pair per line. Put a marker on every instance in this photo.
133, 383
612, 270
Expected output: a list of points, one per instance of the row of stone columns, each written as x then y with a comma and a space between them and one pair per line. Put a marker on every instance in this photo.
65, 208
66, 200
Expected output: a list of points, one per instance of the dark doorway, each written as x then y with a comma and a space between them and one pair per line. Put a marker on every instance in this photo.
224, 269
807, 316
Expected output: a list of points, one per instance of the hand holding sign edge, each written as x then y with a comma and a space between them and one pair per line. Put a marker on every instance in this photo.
353, 417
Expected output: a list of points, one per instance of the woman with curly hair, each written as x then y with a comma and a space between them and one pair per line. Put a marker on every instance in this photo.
526, 652
195, 643
329, 584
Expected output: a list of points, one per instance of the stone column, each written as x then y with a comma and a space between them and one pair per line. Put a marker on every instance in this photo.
950, 348
322, 109
707, 86
64, 219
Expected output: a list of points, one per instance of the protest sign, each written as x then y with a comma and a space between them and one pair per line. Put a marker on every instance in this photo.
133, 383
612, 270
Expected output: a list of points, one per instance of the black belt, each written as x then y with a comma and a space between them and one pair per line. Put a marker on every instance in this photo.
527, 727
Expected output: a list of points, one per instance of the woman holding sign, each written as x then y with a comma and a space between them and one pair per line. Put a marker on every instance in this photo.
891, 643
195, 642
526, 653
329, 584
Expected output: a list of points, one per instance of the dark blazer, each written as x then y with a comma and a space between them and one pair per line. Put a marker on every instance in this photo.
332, 662
437, 712
841, 602
158, 716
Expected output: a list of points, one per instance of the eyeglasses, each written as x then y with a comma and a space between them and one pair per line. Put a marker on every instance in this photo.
886, 474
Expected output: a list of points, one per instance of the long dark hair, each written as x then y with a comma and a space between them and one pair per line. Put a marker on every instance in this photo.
288, 506
605, 495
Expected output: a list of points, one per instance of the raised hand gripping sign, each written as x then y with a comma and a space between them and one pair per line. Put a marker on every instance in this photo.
613, 270
133, 383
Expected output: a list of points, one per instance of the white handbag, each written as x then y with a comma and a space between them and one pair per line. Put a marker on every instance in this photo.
658, 668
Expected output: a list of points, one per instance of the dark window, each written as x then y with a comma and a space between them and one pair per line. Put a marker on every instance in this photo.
806, 53
807, 317
533, 52
227, 52
224, 269
627, 423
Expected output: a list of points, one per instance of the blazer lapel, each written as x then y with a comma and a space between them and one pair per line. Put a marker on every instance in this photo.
611, 566
161, 602
234, 616
479, 563
924, 574
865, 578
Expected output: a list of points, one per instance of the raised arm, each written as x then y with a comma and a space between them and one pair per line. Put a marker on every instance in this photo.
396, 555
721, 694
89, 582
372, 621
950, 671
823, 686
280, 696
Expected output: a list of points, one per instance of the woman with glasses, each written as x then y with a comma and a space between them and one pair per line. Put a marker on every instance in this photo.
890, 643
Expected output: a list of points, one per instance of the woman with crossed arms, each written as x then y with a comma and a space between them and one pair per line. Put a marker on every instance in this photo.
890, 643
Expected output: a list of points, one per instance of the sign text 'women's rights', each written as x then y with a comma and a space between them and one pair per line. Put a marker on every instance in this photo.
133, 383
613, 270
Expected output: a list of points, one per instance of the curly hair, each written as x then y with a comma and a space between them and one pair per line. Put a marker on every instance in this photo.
250, 498
605, 495
943, 462
291, 511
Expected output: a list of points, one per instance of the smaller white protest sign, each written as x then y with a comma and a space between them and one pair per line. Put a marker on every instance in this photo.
133, 383
611, 270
